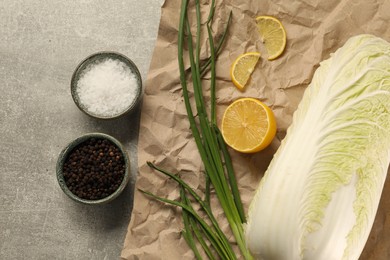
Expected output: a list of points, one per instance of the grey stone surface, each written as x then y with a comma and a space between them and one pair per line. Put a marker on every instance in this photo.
41, 43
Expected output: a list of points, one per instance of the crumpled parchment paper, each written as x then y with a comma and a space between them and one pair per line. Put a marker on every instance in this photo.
315, 28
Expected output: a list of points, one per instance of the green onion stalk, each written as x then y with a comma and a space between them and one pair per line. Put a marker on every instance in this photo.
199, 233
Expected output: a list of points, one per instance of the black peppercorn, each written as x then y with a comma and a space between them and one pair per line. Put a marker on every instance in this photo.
89, 171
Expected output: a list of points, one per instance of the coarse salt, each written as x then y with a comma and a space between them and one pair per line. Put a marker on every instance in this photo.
107, 88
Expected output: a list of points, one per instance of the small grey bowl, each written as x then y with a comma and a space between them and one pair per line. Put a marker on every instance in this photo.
69, 148
96, 59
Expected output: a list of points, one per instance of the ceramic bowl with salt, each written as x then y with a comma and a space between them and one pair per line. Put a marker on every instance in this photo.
106, 85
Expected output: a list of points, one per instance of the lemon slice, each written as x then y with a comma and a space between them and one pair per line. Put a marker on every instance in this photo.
272, 34
248, 125
242, 68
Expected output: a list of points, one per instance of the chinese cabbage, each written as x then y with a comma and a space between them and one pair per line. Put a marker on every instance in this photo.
320, 194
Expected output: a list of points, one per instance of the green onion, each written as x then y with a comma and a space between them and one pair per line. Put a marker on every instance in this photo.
190, 227
212, 149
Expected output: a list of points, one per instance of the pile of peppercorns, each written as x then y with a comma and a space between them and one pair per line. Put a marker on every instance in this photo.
94, 169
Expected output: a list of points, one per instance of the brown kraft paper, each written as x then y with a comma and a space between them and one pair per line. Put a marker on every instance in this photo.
315, 29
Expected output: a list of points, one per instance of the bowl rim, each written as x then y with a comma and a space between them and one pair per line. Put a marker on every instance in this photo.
102, 55
64, 154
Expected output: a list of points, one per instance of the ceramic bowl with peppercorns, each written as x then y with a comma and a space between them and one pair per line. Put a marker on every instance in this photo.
93, 169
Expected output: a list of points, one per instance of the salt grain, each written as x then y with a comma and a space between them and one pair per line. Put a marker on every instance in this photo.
107, 88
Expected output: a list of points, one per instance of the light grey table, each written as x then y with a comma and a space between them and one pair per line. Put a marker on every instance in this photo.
41, 43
